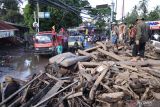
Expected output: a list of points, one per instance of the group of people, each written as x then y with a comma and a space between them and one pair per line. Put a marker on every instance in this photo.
136, 35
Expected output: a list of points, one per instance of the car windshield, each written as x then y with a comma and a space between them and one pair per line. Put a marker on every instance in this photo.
74, 38
43, 38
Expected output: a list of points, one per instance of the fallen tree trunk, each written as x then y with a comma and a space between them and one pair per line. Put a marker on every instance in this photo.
112, 55
111, 97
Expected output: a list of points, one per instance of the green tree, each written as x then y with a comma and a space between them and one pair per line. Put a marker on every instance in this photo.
131, 17
28, 16
10, 11
101, 16
154, 15
59, 17
143, 7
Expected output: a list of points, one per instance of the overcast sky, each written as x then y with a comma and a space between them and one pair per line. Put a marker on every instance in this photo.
129, 4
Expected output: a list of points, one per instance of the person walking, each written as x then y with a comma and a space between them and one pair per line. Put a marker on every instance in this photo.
59, 48
140, 40
115, 35
132, 34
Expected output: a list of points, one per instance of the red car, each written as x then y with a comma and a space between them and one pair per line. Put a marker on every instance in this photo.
46, 42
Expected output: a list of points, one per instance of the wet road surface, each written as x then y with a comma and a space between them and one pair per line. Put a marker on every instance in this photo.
20, 64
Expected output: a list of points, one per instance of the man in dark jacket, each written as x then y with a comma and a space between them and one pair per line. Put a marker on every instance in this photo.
140, 40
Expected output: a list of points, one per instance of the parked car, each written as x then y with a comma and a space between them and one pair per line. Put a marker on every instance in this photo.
73, 39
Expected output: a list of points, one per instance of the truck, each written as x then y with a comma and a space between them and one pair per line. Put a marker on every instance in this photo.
45, 43
155, 34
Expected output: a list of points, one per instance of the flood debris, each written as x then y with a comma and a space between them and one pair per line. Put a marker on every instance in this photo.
98, 78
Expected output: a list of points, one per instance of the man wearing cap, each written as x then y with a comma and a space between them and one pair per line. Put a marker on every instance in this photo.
140, 40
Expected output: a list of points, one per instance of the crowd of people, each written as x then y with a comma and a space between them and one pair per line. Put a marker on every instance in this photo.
136, 36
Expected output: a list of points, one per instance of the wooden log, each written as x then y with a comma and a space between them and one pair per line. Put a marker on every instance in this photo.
86, 75
156, 95
53, 77
43, 101
90, 64
75, 95
102, 45
114, 56
46, 82
97, 82
87, 54
151, 71
25, 93
129, 67
22, 88
80, 66
93, 48
144, 96
126, 91
14, 104
107, 87
140, 63
37, 97
111, 97
53, 90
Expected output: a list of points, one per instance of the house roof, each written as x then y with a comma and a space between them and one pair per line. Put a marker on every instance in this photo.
5, 26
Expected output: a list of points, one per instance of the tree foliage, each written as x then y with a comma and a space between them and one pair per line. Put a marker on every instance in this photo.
142, 10
154, 14
131, 17
101, 15
58, 16
10, 11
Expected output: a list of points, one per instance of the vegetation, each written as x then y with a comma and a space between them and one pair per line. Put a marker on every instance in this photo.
58, 16
101, 15
9, 10
142, 11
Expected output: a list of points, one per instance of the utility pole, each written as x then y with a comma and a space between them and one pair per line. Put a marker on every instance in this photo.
123, 11
111, 19
35, 18
116, 8
38, 15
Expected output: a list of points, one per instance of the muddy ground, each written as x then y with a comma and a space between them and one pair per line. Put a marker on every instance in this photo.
19, 63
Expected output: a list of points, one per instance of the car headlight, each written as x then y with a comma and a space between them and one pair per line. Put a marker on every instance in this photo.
37, 48
51, 48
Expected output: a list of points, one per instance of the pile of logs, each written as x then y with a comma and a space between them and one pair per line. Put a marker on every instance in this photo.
109, 79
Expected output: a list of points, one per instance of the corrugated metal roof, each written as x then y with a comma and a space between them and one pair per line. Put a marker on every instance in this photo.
5, 26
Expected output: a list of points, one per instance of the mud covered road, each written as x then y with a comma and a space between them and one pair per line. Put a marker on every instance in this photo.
21, 64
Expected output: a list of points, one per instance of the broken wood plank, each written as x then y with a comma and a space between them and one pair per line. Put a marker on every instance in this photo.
102, 45
107, 87
87, 54
92, 49
97, 82
90, 64
144, 96
116, 57
75, 95
86, 75
54, 89
141, 63
48, 98
22, 88
111, 97
125, 90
